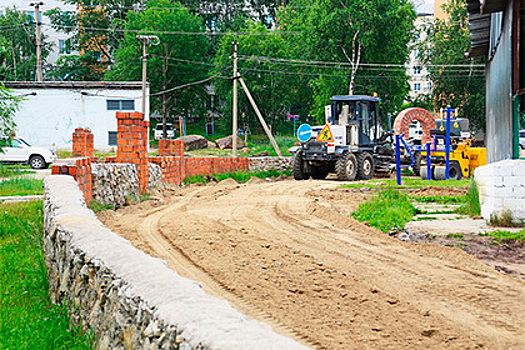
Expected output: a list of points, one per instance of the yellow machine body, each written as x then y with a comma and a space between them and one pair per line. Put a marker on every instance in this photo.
468, 158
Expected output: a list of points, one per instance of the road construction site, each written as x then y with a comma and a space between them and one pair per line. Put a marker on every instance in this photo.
289, 254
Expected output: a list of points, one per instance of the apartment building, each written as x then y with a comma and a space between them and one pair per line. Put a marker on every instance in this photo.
419, 77
56, 40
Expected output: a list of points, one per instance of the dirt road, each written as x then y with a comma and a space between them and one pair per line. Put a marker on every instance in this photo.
289, 254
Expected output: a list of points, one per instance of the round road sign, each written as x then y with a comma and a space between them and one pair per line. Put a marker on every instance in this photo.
304, 132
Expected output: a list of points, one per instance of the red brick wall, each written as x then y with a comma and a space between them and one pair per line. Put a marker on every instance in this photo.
80, 169
176, 169
132, 145
83, 143
171, 148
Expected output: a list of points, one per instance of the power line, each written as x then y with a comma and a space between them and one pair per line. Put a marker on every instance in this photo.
348, 64
142, 31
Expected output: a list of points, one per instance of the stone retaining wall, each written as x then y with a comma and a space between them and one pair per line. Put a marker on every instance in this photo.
270, 163
127, 298
113, 184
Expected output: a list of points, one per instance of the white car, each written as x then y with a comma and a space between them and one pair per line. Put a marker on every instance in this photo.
15, 150
170, 132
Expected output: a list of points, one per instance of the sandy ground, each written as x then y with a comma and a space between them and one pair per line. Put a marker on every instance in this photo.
288, 253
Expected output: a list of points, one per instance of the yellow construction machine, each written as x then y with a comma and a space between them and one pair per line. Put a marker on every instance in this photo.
463, 159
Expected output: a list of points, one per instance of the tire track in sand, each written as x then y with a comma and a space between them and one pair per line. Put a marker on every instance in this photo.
149, 231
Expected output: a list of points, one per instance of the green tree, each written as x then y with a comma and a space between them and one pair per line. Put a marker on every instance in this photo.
9, 104
17, 46
461, 85
169, 63
275, 87
95, 32
365, 35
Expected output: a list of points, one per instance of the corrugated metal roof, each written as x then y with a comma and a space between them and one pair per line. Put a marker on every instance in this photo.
479, 29
490, 6
99, 85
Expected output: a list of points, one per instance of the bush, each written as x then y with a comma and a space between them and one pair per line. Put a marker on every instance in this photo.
471, 206
390, 209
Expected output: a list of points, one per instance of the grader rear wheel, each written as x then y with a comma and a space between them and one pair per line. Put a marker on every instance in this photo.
346, 167
366, 166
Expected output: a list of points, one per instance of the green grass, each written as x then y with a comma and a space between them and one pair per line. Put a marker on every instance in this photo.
62, 154
263, 144
389, 209
499, 235
239, 176
21, 187
440, 199
97, 207
471, 206
28, 320
455, 235
408, 182
15, 170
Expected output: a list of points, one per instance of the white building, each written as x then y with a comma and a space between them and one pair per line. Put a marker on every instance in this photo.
419, 76
50, 111
56, 40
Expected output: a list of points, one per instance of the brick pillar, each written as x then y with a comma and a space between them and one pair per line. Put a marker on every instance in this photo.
132, 145
83, 143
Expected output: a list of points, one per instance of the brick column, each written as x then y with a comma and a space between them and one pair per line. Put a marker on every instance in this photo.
83, 143
132, 145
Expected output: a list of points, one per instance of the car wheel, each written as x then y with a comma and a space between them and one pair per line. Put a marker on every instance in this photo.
37, 162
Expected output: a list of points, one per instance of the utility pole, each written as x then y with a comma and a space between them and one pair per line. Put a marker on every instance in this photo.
146, 39
261, 119
235, 103
38, 24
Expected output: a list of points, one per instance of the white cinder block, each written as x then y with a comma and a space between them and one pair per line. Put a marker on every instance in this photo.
501, 188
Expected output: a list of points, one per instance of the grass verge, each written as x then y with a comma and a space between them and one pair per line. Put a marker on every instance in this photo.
439, 199
14, 170
388, 210
471, 205
27, 318
407, 182
501, 236
239, 176
21, 187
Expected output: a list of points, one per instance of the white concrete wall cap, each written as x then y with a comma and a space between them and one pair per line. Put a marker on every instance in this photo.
178, 301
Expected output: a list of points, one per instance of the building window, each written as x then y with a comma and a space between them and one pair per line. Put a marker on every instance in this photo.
417, 70
120, 105
429, 86
112, 138
64, 47
211, 24
417, 87
415, 53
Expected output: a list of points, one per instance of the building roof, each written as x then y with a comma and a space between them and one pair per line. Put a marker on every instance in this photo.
479, 25
423, 8
98, 85
355, 98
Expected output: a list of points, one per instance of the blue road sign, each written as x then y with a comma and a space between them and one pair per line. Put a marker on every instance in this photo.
304, 132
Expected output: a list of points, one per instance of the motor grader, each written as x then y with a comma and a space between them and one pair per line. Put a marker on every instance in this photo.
350, 144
